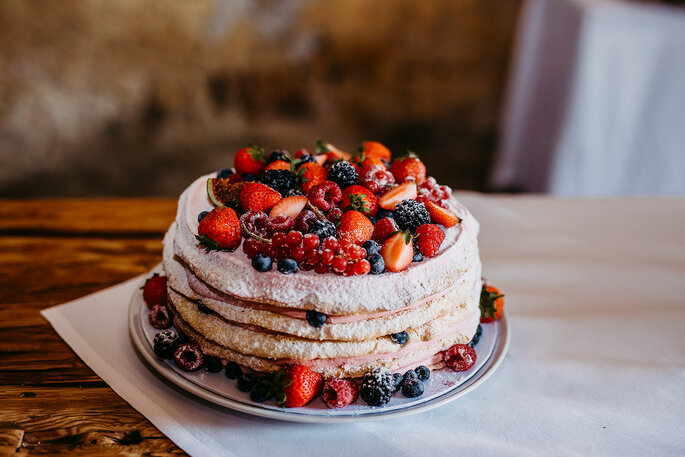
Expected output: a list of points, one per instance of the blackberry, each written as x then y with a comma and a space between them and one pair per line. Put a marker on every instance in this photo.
225, 173
383, 213
423, 373
476, 337
400, 338
377, 387
398, 381
280, 180
377, 264
246, 382
287, 266
371, 248
315, 318
262, 262
417, 254
213, 364
323, 229
410, 374
293, 193
261, 392
278, 154
202, 215
412, 388
409, 214
233, 370
343, 174
165, 343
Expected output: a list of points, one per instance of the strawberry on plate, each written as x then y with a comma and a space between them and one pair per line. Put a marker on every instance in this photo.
289, 206
310, 174
359, 198
258, 197
491, 304
408, 166
441, 216
391, 198
250, 160
398, 251
299, 385
355, 227
429, 239
219, 230
154, 291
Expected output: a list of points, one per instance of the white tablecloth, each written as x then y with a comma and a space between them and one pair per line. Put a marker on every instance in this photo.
596, 102
595, 293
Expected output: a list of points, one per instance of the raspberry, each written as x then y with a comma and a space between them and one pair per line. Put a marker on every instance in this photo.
304, 220
251, 247
377, 387
160, 317
323, 229
325, 195
154, 291
280, 180
254, 223
383, 229
377, 179
189, 357
338, 392
280, 224
410, 214
334, 215
165, 344
343, 173
460, 357
430, 237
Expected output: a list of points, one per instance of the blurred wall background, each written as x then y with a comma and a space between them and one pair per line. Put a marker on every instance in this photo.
138, 97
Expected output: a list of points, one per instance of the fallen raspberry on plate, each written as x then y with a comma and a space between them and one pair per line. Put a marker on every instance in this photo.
160, 317
460, 357
338, 392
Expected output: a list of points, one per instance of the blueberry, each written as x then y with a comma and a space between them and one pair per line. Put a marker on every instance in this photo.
261, 392
476, 337
371, 248
417, 255
202, 215
225, 173
203, 308
398, 381
400, 338
287, 266
262, 262
384, 213
377, 264
278, 154
246, 382
233, 370
213, 364
315, 318
410, 374
423, 373
412, 388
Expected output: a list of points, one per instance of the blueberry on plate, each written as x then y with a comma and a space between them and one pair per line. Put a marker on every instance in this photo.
246, 382
412, 388
213, 364
410, 374
233, 370
423, 373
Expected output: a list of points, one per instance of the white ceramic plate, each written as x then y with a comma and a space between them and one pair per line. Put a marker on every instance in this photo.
442, 387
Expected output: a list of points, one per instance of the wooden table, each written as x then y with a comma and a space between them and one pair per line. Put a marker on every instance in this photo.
53, 251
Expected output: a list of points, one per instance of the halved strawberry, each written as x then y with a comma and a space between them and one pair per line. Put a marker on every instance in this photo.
289, 206
331, 152
310, 174
250, 160
383, 229
258, 197
406, 191
442, 216
278, 165
355, 226
359, 198
398, 251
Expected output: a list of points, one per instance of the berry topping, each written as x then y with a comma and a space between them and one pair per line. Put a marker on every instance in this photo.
322, 228
250, 160
398, 380
280, 180
371, 247
188, 357
225, 173
246, 382
378, 386
213, 364
224, 191
407, 167
355, 226
278, 165
325, 195
165, 343
310, 175
202, 215
376, 178
261, 262
442, 216
310, 241
412, 388
400, 338
384, 228
304, 220
219, 230
398, 251
338, 392
204, 309
334, 215
410, 214
300, 385
391, 198
376, 264
154, 291
429, 239
278, 155
423, 373
233, 370
476, 337
375, 149
287, 266
280, 224
293, 238
262, 391
253, 224
343, 173
306, 157
315, 318
258, 197
359, 198
410, 374
460, 357
418, 257
491, 304
362, 267
289, 206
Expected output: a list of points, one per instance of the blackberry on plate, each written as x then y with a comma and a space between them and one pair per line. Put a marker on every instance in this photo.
423, 373
371, 248
400, 337
213, 364
246, 382
224, 173
165, 343
261, 392
287, 266
202, 215
323, 229
476, 337
378, 386
278, 154
315, 318
343, 174
410, 214
233, 370
377, 264
398, 380
410, 374
262, 262
412, 388
280, 180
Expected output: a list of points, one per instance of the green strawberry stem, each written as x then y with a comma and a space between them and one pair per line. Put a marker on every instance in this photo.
210, 245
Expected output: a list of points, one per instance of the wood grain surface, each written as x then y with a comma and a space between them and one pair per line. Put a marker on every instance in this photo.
53, 251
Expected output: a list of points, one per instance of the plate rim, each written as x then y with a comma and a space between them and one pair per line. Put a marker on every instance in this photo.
143, 348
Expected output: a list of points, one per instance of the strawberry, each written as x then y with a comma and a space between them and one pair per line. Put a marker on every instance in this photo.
383, 229
355, 227
219, 230
278, 165
289, 206
154, 291
408, 166
406, 191
430, 237
398, 251
250, 160
331, 152
359, 198
442, 216
491, 304
369, 163
376, 150
299, 385
310, 174
258, 197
